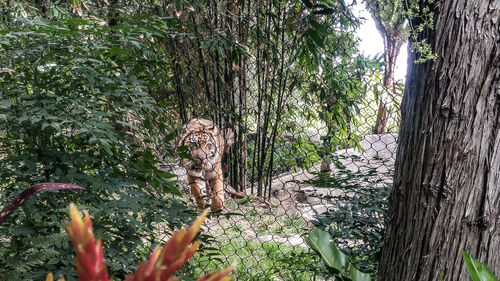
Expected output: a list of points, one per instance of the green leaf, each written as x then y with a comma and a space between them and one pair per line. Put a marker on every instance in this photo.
53, 261
477, 270
307, 3
322, 242
327, 11
316, 37
356, 275
169, 137
319, 27
56, 126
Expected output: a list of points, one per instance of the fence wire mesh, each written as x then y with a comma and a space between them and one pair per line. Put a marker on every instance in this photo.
305, 153
342, 191
313, 123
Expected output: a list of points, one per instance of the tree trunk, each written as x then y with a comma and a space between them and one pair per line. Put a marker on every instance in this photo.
392, 45
446, 195
381, 123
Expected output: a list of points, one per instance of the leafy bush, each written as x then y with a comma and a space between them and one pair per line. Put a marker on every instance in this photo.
338, 263
74, 108
301, 153
355, 218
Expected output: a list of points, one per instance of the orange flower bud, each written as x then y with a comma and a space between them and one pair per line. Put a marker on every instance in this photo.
173, 255
89, 259
162, 264
221, 275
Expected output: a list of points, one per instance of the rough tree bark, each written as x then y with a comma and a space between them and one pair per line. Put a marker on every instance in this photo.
446, 195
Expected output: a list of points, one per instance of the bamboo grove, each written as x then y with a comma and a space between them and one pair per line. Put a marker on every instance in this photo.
96, 91
258, 67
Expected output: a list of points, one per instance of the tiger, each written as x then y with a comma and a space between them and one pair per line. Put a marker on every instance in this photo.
206, 143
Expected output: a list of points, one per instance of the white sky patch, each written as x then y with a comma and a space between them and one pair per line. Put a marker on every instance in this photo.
372, 43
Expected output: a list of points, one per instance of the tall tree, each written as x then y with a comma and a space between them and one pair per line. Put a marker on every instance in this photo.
445, 196
391, 23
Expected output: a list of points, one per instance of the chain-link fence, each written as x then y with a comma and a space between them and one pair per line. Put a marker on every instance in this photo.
310, 178
312, 122
304, 108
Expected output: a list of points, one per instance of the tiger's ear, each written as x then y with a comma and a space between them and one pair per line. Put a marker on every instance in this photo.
228, 139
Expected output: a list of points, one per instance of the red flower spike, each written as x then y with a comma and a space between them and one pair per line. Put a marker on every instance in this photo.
173, 255
182, 259
221, 275
162, 264
89, 259
193, 229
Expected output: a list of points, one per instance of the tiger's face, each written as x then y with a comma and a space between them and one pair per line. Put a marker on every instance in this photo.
204, 152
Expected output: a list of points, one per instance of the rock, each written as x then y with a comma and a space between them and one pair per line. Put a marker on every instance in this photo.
326, 164
294, 240
309, 213
233, 193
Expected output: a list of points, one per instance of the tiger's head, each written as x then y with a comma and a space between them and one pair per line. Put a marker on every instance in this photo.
206, 144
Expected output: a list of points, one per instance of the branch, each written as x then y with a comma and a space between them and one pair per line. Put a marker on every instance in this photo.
33, 190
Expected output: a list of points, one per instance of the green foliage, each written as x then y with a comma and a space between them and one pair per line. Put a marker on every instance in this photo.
391, 99
336, 261
256, 260
422, 18
75, 109
477, 270
425, 50
397, 20
356, 216
90, 99
334, 84
299, 153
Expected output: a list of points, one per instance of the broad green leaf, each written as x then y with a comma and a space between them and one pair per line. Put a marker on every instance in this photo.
323, 243
56, 126
319, 27
477, 270
356, 275
316, 37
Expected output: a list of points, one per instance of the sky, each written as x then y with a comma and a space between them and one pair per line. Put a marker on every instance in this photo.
372, 43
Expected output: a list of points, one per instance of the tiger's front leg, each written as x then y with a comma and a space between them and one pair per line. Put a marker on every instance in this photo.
197, 186
217, 193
